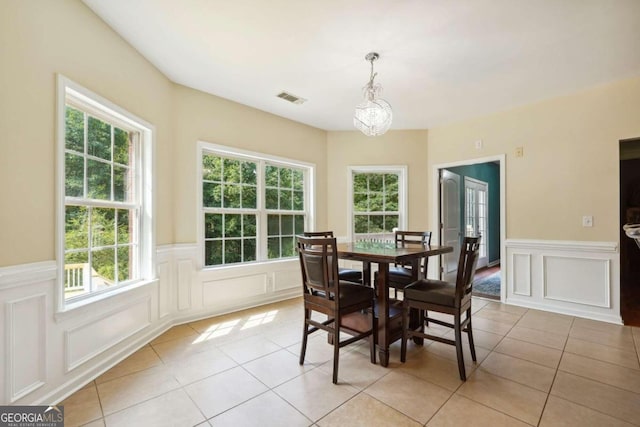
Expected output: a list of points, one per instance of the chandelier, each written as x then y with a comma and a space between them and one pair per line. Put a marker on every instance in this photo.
373, 116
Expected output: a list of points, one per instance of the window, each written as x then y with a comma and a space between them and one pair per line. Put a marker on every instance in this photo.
106, 214
377, 201
253, 205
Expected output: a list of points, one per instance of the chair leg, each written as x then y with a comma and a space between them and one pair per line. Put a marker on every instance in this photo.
458, 334
470, 336
336, 348
305, 333
405, 331
373, 339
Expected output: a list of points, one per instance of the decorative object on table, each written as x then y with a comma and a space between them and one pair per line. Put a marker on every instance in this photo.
443, 297
349, 307
374, 115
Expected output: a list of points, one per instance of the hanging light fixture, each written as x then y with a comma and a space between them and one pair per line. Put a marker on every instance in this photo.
373, 116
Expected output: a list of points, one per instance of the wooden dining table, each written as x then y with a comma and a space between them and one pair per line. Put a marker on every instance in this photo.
389, 315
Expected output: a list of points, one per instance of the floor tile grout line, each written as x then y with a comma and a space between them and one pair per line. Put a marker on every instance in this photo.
588, 407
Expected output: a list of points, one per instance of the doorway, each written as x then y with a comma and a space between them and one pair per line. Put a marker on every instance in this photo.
629, 214
470, 200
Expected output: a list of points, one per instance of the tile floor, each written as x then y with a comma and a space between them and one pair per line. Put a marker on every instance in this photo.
534, 368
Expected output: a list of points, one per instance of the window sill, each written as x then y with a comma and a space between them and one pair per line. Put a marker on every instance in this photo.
84, 305
245, 265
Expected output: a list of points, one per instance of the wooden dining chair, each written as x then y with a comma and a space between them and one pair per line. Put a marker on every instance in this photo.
401, 275
348, 274
349, 306
443, 297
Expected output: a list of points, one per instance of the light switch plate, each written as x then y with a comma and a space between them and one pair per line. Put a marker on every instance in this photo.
587, 221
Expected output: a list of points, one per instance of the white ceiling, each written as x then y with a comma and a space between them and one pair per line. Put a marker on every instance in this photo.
440, 60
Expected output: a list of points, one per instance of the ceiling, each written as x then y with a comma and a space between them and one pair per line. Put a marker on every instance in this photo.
441, 61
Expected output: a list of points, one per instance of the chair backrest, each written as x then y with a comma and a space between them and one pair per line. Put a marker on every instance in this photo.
318, 234
319, 271
469, 254
404, 239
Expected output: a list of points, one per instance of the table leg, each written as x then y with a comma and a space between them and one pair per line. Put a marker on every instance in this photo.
366, 273
383, 313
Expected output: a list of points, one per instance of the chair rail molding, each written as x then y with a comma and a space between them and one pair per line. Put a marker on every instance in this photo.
569, 277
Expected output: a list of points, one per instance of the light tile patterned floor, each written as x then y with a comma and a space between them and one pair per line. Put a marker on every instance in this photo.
534, 368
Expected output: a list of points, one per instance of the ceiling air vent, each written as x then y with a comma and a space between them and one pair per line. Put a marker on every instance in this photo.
291, 98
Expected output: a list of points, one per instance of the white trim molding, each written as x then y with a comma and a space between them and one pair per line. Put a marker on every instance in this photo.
568, 277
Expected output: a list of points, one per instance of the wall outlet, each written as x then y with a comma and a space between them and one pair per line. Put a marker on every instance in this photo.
478, 144
519, 151
587, 221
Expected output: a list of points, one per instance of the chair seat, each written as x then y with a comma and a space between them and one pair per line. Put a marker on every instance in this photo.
399, 277
351, 294
349, 274
432, 291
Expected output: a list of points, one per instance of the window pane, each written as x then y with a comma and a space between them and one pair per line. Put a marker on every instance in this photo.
249, 224
390, 222
271, 198
288, 247
285, 199
99, 138
103, 266
124, 227
77, 274
211, 195
391, 183
249, 173
232, 225
213, 252
376, 223
249, 199
273, 225
287, 225
213, 225
98, 180
76, 231
120, 146
299, 227
231, 170
74, 175
360, 183
232, 251
361, 223
124, 262
211, 168
298, 180
103, 227
121, 188
298, 200
392, 202
74, 129
273, 247
231, 196
249, 249
286, 178
375, 182
376, 202
360, 202
271, 176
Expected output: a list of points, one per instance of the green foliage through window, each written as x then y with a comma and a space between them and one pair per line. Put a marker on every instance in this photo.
375, 203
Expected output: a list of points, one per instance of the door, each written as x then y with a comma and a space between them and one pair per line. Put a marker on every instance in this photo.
476, 214
450, 222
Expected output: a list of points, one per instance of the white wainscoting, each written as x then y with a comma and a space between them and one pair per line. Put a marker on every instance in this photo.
574, 278
48, 356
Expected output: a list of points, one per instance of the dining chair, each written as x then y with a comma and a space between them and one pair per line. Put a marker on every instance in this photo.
348, 274
349, 306
401, 275
451, 298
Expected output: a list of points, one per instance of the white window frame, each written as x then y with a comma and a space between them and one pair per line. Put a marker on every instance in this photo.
100, 107
401, 170
309, 170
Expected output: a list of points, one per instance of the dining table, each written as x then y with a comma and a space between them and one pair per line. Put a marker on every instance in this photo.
384, 253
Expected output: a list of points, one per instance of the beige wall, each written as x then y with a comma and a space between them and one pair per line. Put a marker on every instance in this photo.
352, 148
41, 38
37, 40
201, 117
570, 163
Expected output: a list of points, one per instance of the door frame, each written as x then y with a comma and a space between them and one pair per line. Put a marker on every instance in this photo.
435, 210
